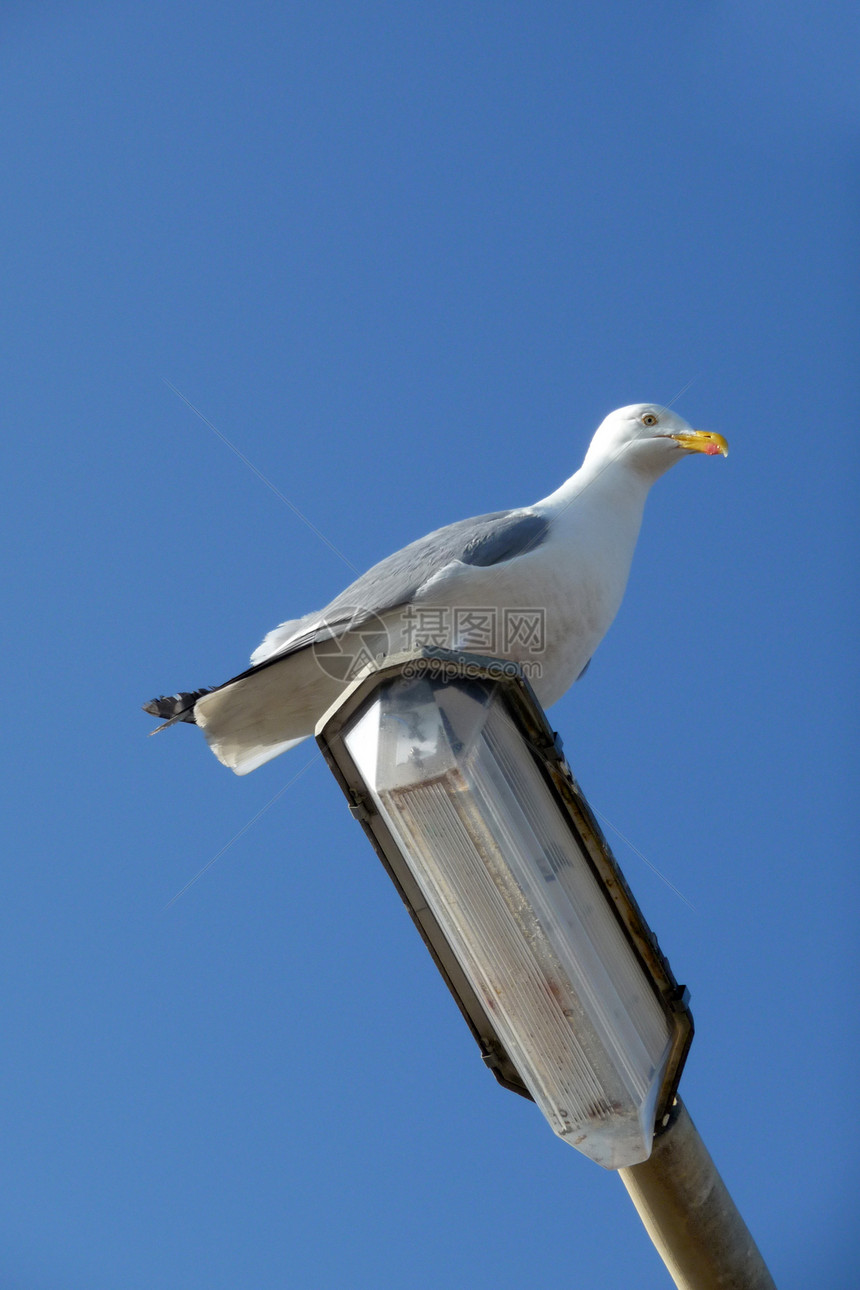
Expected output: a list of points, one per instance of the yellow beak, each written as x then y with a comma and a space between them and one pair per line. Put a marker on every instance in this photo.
702, 441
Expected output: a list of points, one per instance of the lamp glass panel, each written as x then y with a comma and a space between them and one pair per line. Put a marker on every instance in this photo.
507, 880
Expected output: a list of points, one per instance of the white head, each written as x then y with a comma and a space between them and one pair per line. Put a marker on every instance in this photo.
649, 439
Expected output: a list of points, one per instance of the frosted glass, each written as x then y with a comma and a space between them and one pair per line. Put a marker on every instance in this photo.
519, 904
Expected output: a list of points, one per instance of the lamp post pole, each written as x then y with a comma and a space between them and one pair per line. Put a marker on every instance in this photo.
689, 1214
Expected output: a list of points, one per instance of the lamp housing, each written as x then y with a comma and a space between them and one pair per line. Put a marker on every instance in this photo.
449, 763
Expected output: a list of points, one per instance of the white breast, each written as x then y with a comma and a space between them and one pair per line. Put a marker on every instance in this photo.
548, 609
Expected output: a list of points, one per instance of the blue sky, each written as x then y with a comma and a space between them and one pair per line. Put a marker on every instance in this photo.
406, 257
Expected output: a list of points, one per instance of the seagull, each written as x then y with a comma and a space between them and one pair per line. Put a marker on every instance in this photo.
538, 585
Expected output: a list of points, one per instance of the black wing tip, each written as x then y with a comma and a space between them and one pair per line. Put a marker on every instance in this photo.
174, 707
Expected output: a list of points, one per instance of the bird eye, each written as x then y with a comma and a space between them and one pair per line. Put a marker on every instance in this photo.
649, 419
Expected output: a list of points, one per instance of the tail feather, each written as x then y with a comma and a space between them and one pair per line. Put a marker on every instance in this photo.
175, 707
276, 703
260, 715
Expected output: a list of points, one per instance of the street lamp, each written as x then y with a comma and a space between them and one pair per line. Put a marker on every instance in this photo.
459, 782
449, 764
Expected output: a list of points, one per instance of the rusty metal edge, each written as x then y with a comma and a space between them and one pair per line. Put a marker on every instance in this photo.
546, 748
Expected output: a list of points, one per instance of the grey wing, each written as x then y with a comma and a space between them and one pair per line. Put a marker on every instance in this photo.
508, 535
483, 541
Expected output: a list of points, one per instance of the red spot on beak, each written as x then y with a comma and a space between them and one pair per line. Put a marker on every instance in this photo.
712, 450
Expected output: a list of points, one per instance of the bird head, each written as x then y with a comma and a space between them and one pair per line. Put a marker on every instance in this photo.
650, 438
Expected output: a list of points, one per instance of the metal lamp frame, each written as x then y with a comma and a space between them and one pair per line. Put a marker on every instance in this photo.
545, 747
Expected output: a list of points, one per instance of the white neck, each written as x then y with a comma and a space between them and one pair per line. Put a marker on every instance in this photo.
600, 485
